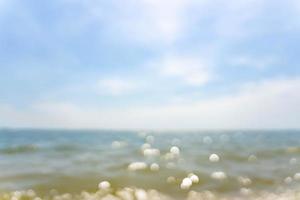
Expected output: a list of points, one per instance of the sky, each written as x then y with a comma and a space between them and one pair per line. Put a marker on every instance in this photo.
150, 64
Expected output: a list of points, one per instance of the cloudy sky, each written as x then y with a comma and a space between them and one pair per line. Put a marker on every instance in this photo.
152, 64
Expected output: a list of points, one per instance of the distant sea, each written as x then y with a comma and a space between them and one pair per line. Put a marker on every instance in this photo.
85, 164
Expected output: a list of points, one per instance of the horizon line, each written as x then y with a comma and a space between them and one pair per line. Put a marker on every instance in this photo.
147, 129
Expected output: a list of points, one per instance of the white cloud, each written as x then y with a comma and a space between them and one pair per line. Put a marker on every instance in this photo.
273, 103
148, 22
190, 70
233, 18
115, 86
254, 62
154, 22
165, 22
268, 104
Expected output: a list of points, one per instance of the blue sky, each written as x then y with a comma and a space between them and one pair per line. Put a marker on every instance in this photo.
172, 64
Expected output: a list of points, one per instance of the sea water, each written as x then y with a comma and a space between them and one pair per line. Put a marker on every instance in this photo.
106, 164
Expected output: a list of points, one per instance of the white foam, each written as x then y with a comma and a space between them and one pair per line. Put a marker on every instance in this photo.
186, 183
175, 150
169, 156
297, 176
141, 194
245, 191
137, 166
104, 185
131, 193
194, 178
214, 158
218, 175
154, 167
151, 152
118, 144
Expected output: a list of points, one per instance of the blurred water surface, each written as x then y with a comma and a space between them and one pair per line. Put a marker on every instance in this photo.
76, 160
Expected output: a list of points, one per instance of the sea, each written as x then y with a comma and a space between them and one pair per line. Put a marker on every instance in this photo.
140, 165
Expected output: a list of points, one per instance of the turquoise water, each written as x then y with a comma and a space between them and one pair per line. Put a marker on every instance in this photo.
70, 161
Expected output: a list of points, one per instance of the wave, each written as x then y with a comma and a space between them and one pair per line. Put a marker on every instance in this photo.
19, 149
105, 192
